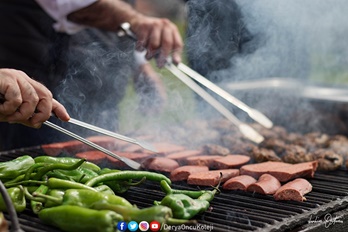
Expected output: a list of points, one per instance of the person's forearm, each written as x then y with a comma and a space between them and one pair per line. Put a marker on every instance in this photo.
105, 14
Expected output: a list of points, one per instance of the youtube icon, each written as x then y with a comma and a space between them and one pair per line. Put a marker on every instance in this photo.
155, 226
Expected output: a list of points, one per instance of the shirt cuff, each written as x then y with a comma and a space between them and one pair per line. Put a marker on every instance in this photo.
139, 58
59, 9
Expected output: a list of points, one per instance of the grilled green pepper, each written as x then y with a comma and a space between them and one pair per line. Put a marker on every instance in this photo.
119, 186
86, 198
36, 206
13, 168
127, 175
81, 174
72, 218
66, 160
99, 201
185, 207
17, 197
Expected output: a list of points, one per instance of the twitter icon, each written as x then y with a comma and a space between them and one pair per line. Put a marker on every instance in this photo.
133, 226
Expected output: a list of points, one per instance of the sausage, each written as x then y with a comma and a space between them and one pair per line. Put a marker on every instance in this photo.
211, 178
182, 156
256, 170
203, 160
284, 174
94, 156
266, 184
239, 182
230, 161
160, 164
282, 171
71, 147
183, 172
293, 190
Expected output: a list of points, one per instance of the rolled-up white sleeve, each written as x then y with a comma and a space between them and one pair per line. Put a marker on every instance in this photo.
59, 9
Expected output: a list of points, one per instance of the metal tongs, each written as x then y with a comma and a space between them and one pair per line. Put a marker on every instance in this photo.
128, 162
184, 73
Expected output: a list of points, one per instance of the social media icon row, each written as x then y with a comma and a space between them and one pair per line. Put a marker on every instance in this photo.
142, 226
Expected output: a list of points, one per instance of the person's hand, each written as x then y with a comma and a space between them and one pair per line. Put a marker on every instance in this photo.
26, 101
150, 89
159, 36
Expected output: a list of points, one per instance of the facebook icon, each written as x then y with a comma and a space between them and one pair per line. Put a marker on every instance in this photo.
122, 226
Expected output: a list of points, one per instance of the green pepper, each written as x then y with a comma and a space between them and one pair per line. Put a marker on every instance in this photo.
66, 160
191, 193
60, 166
72, 218
56, 194
119, 186
80, 174
13, 168
127, 175
104, 189
36, 206
86, 198
185, 207
52, 183
17, 198
99, 201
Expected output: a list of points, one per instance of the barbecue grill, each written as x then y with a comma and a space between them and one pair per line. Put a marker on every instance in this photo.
326, 207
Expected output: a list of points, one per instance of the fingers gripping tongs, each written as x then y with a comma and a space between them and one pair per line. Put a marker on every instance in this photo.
128, 162
184, 73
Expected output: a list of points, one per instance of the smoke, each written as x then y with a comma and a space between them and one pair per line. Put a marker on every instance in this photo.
295, 39
235, 41
98, 68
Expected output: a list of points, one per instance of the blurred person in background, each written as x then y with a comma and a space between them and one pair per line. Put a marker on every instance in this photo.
73, 49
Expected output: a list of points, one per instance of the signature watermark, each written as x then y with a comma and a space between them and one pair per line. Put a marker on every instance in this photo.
196, 227
328, 220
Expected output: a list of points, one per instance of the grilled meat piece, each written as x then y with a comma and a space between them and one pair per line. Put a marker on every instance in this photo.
203, 160
282, 171
211, 178
328, 160
236, 145
183, 172
275, 132
256, 170
182, 156
277, 145
263, 155
339, 144
296, 154
294, 190
160, 164
293, 171
230, 161
239, 182
266, 184
214, 149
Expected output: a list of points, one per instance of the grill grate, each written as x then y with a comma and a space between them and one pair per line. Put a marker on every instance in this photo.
232, 210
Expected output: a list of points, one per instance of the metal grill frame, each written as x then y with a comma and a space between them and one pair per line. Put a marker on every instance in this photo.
239, 210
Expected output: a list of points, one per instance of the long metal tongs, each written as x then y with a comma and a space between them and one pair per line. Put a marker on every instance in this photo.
245, 129
142, 144
128, 162
253, 113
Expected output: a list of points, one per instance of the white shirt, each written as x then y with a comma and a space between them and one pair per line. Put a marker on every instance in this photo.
59, 9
